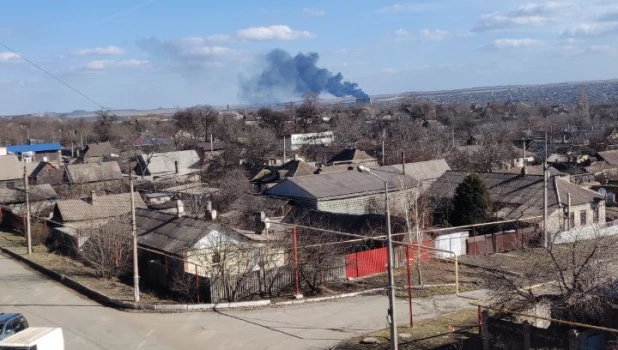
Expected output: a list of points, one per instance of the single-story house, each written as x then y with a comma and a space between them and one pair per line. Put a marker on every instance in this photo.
169, 164
11, 172
352, 156
425, 173
45, 173
94, 175
98, 152
272, 174
349, 192
521, 197
40, 152
94, 211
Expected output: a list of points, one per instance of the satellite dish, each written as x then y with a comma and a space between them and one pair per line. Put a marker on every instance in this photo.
602, 191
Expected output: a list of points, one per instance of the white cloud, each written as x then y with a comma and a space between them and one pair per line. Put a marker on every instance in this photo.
313, 12
410, 8
592, 29
100, 65
536, 14
9, 57
513, 43
273, 32
436, 34
402, 33
207, 51
103, 51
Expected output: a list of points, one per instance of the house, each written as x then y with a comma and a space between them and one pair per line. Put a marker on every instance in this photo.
37, 193
352, 156
11, 172
169, 164
211, 149
425, 173
93, 173
272, 174
175, 244
98, 152
606, 164
520, 197
45, 173
249, 210
349, 192
40, 152
94, 211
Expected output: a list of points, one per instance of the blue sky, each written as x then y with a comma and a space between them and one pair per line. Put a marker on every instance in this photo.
164, 53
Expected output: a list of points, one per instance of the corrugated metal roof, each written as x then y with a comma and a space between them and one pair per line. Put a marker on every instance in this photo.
354, 156
423, 171
159, 164
339, 185
611, 157
100, 149
516, 196
40, 147
11, 168
172, 234
94, 172
110, 205
18, 195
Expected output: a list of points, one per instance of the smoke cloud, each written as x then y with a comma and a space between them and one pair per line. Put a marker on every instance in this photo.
285, 76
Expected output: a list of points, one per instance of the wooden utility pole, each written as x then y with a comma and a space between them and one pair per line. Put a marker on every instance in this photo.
545, 173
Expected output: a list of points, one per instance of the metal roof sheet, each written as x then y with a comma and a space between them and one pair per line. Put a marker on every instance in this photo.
39, 147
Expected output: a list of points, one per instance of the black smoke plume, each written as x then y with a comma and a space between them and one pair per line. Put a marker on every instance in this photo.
285, 76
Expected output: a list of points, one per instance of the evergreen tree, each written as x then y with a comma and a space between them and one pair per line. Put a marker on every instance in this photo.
471, 202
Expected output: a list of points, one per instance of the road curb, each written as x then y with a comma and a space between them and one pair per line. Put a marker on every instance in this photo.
162, 308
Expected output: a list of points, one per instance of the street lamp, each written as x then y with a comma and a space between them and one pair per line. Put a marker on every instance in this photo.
391, 281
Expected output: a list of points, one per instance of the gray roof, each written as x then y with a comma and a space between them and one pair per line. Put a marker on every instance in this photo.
516, 196
171, 234
93, 172
102, 207
195, 189
351, 156
18, 195
159, 164
422, 171
611, 157
338, 185
100, 149
11, 168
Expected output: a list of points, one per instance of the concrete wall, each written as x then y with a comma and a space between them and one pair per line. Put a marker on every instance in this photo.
558, 221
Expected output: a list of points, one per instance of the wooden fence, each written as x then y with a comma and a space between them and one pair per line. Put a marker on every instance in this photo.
501, 242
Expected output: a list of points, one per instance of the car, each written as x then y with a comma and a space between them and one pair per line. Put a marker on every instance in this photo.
11, 323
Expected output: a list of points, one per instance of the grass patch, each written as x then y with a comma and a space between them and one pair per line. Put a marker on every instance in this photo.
456, 330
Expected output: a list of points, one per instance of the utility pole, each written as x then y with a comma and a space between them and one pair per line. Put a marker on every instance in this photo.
284, 148
27, 187
81, 138
383, 137
134, 234
545, 171
211, 147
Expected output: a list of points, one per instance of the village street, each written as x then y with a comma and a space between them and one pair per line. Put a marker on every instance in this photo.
87, 325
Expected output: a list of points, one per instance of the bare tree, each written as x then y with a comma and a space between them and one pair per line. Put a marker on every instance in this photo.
108, 251
103, 125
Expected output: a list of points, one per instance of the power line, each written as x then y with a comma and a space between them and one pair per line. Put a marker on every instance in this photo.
53, 76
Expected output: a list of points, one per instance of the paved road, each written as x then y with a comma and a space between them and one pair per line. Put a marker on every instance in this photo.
87, 325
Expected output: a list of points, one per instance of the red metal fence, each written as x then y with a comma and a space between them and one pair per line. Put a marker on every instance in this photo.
374, 261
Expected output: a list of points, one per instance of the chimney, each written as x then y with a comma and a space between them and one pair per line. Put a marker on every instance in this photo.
93, 196
524, 171
176, 166
210, 213
296, 157
208, 206
180, 208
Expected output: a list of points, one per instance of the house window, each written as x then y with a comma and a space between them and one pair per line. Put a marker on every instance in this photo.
216, 258
582, 217
595, 215
571, 220
10, 184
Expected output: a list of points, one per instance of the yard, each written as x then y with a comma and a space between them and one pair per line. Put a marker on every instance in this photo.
456, 330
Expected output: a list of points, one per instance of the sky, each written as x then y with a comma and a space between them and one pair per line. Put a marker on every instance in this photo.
147, 54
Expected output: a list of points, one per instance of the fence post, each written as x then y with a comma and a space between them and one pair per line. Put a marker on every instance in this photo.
356, 258
526, 330
485, 330
197, 285
295, 233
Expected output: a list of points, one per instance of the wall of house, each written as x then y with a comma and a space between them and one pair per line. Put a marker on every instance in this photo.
369, 204
48, 175
559, 222
198, 261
